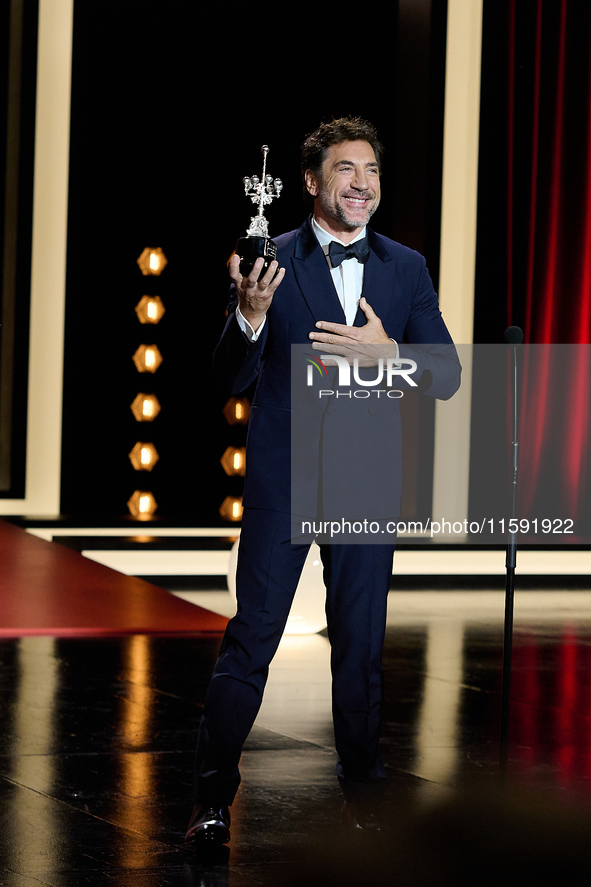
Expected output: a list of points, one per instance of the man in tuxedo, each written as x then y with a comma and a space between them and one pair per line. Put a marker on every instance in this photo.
341, 288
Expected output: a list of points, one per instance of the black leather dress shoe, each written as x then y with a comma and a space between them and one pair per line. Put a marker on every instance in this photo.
208, 825
361, 819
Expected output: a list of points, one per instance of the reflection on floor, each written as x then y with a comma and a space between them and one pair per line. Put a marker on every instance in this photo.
98, 735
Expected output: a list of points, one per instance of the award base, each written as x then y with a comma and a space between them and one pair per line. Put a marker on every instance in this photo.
251, 248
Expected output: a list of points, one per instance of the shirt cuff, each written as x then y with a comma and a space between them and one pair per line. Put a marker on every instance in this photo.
397, 349
246, 328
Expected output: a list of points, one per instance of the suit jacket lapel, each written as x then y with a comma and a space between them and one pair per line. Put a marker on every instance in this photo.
377, 280
314, 278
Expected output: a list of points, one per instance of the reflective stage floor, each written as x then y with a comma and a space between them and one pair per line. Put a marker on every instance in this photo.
98, 736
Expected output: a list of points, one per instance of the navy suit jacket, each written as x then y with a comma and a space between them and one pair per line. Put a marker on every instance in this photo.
398, 287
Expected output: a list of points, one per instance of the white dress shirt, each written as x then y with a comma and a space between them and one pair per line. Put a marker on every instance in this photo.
348, 276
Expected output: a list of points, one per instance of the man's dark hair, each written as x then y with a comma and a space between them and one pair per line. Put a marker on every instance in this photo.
343, 129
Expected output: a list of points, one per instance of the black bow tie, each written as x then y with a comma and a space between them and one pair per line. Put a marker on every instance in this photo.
338, 252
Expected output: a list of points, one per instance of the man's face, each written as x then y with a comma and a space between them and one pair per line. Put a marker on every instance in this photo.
347, 192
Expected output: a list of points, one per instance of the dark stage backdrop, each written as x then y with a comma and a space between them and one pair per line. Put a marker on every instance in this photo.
18, 73
170, 106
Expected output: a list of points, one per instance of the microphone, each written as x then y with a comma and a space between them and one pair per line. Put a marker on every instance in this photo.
514, 335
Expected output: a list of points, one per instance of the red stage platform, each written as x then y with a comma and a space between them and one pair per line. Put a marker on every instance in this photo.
47, 589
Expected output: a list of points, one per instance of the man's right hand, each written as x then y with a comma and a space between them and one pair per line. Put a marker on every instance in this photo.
254, 295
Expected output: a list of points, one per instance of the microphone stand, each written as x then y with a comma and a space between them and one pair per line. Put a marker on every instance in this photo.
513, 337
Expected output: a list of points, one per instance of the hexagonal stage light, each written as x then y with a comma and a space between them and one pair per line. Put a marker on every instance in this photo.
145, 407
142, 505
150, 309
231, 508
234, 460
152, 261
143, 456
147, 358
237, 411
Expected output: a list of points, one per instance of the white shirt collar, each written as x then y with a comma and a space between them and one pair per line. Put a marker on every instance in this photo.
324, 238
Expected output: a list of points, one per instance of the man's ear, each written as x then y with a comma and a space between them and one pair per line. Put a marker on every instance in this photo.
311, 182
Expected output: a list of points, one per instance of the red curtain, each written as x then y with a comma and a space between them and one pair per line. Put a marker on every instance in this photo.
548, 242
549, 168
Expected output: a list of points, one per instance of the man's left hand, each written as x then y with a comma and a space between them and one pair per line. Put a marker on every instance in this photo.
338, 338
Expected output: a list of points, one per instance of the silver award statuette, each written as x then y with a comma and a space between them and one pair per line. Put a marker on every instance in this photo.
257, 242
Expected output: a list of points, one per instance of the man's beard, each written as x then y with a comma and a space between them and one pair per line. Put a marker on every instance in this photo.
336, 211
